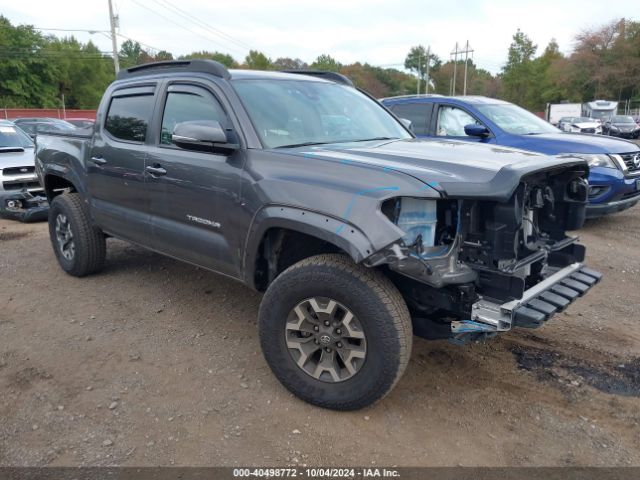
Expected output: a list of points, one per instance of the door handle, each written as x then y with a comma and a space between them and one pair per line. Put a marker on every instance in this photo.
156, 171
98, 160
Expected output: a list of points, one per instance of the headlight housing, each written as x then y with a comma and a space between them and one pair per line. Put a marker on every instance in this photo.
596, 159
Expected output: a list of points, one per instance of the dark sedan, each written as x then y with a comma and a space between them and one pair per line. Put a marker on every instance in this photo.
622, 126
32, 126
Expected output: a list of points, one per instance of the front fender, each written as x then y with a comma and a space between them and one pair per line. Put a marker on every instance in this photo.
63, 158
320, 225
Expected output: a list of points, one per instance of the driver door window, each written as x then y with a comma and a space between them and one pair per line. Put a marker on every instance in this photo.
452, 120
188, 104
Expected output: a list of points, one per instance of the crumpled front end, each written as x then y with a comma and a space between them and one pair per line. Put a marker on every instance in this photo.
472, 268
24, 206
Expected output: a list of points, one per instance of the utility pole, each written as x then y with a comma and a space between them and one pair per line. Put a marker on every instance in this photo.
419, 71
467, 50
455, 65
113, 20
426, 87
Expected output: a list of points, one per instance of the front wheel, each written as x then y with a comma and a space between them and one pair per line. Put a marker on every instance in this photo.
336, 334
80, 246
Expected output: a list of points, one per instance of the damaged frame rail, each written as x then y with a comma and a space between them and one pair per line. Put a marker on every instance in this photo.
536, 306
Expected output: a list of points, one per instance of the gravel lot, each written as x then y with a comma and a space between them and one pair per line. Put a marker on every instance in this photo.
154, 362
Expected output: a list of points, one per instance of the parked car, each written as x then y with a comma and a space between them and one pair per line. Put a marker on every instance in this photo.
614, 165
623, 126
21, 196
303, 187
580, 125
33, 126
81, 122
636, 118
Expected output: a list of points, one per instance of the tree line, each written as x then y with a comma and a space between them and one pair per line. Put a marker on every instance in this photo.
36, 70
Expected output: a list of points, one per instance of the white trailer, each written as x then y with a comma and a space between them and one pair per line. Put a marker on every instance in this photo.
555, 111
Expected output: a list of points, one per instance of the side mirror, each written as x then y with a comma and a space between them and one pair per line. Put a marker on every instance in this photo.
407, 123
201, 135
475, 130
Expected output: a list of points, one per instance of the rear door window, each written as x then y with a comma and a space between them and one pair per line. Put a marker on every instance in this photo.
417, 113
128, 117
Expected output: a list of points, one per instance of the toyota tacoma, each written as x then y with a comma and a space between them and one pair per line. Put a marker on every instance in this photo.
305, 188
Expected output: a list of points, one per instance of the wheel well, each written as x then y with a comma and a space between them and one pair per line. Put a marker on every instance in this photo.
280, 248
55, 185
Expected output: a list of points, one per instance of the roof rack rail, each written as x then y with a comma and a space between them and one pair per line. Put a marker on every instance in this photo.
196, 65
332, 76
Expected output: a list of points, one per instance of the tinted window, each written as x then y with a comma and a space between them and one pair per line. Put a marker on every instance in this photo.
452, 120
27, 127
416, 112
621, 119
184, 106
128, 117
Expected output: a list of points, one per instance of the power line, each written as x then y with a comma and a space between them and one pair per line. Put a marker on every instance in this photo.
178, 24
138, 41
71, 30
167, 5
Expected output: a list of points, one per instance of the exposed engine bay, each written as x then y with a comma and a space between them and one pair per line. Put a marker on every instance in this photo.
463, 260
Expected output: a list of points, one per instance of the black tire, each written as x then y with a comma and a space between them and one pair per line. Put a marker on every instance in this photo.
373, 299
88, 240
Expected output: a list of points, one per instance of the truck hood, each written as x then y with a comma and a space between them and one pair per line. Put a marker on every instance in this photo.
16, 157
559, 143
454, 168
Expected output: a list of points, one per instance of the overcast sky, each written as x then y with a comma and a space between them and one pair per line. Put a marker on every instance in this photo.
376, 31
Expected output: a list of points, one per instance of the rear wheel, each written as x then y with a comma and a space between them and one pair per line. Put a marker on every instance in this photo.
80, 246
334, 333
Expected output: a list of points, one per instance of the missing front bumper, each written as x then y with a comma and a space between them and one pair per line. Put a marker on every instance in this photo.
536, 306
23, 206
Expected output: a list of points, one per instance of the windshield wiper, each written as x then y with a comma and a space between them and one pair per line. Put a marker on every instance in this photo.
304, 144
374, 138
307, 144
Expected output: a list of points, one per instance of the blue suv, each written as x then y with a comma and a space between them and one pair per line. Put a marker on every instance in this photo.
614, 181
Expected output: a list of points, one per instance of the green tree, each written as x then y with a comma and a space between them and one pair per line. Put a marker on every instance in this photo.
286, 63
224, 58
162, 56
326, 63
28, 74
132, 53
256, 60
417, 61
517, 74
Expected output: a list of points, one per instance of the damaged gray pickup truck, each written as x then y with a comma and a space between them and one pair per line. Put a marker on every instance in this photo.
303, 187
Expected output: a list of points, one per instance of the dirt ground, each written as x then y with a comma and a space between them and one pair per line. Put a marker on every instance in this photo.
154, 362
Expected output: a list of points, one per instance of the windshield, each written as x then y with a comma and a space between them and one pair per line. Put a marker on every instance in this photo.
516, 120
600, 114
584, 120
289, 113
11, 136
622, 119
